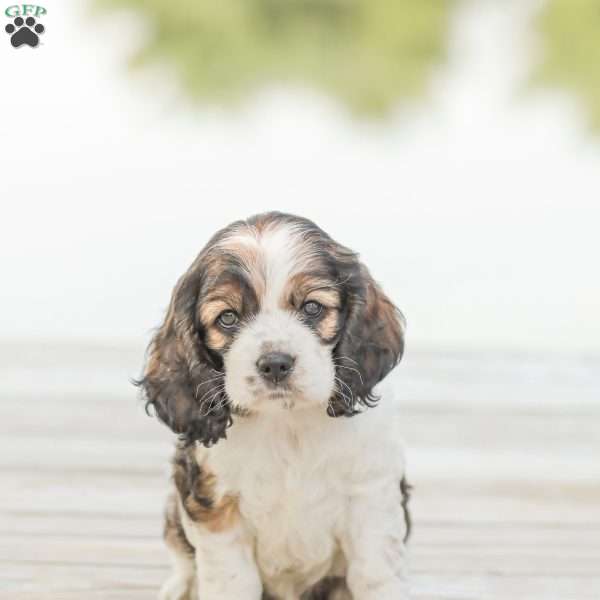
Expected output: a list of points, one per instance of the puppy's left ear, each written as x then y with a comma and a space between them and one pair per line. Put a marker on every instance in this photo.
371, 345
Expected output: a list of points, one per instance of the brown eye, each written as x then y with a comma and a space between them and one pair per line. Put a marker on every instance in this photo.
228, 319
312, 309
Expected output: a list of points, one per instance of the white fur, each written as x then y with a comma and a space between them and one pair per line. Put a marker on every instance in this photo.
318, 496
181, 585
311, 381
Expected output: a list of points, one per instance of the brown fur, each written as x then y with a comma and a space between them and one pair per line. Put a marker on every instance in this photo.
197, 490
173, 530
329, 325
309, 286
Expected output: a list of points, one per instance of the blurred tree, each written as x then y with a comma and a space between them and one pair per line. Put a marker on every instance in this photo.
368, 53
571, 44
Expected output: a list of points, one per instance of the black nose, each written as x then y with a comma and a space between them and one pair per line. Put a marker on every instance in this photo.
275, 366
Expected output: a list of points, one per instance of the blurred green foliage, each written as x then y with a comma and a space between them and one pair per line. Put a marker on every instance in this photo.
571, 50
368, 53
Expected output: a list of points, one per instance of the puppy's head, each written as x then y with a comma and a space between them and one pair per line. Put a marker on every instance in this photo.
273, 315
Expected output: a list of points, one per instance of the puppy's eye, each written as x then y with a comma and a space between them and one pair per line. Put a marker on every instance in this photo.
312, 308
228, 319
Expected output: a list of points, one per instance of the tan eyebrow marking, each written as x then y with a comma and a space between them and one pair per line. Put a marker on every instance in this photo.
211, 310
243, 245
227, 296
326, 297
304, 287
328, 326
307, 287
215, 339
224, 297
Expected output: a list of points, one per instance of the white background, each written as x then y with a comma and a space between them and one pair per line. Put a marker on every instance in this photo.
478, 210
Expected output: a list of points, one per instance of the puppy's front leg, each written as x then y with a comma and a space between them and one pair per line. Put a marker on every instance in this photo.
225, 564
373, 543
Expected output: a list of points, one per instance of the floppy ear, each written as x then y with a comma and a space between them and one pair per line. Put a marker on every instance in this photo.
180, 373
371, 344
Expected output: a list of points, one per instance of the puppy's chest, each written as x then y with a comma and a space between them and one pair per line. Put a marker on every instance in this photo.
292, 496
292, 500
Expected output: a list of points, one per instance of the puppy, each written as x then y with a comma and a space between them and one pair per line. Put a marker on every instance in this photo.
288, 482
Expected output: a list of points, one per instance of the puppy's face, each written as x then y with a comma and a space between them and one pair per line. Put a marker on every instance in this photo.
272, 308
272, 316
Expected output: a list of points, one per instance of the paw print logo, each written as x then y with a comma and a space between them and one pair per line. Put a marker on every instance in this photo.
24, 31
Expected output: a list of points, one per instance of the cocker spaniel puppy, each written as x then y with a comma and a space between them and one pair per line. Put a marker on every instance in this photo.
288, 482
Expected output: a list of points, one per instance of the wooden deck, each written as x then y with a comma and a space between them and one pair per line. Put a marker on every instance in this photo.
505, 461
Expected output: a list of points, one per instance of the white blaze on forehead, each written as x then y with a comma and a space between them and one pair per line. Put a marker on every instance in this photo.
280, 252
285, 254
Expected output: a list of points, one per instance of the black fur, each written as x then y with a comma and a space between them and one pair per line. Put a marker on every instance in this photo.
371, 342
405, 490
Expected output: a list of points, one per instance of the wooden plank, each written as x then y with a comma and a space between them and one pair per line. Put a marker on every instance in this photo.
507, 483
147, 525
460, 556
58, 582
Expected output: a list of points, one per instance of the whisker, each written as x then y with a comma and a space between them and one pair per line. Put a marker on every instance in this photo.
347, 401
217, 394
352, 369
330, 405
346, 386
219, 405
211, 401
345, 358
208, 381
213, 389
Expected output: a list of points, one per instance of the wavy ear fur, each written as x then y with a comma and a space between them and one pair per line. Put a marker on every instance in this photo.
180, 369
371, 345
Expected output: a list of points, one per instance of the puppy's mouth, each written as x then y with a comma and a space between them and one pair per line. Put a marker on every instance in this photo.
275, 394
281, 396
282, 387
279, 391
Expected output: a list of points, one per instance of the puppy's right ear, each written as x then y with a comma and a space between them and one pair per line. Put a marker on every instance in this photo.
179, 370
